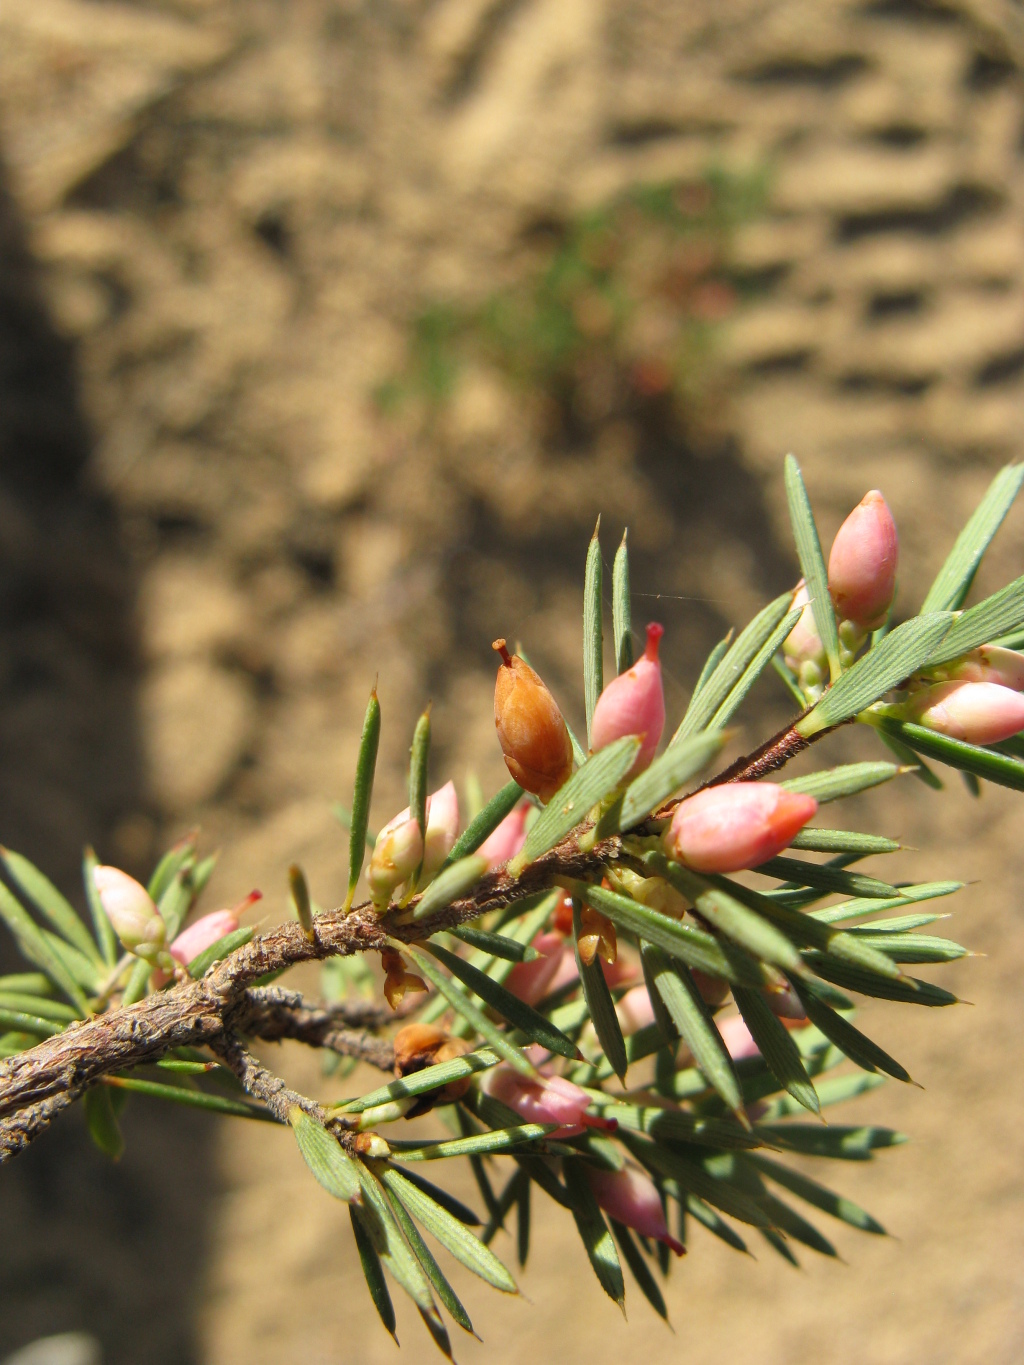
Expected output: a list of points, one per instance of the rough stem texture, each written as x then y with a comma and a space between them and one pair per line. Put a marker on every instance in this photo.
228, 1004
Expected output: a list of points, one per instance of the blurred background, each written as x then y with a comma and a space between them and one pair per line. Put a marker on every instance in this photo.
327, 329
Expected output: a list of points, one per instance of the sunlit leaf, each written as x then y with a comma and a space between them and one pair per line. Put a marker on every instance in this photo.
953, 581
812, 563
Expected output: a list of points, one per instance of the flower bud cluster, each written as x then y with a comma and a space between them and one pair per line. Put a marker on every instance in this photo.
401, 847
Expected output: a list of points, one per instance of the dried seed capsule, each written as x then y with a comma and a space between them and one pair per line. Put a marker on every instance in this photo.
633, 704
737, 825
531, 731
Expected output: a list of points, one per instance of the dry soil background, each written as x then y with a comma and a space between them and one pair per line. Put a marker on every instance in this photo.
215, 219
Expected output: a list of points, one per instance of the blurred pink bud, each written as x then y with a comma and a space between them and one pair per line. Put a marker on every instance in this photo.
633, 704
785, 1003
978, 712
635, 1011
803, 644
128, 905
396, 856
862, 564
532, 981
990, 664
202, 935
736, 825
509, 837
737, 1038
549, 1099
632, 1198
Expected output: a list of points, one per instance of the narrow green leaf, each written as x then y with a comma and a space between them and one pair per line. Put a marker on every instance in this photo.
419, 758
362, 792
915, 948
599, 1002
485, 822
672, 1124
839, 1142
40, 1006
450, 885
431, 1269
831, 784
193, 1099
301, 902
593, 631
85, 970
177, 898
495, 945
462, 1005
708, 1218
515, 1011
692, 1018
906, 895
980, 624
105, 936
731, 668
462, 1212
690, 1176
138, 981
817, 1195
330, 1164
170, 865
27, 983
667, 774
913, 762
833, 1090
852, 977
224, 947
594, 1232
29, 1023
969, 758
595, 781
712, 662
622, 614
796, 1226
639, 1268
695, 947
780, 1053
843, 841
373, 1272
650, 961
523, 1182
492, 1143
754, 669
727, 914
900, 924
902, 652
812, 563
41, 893
344, 817
789, 680
822, 877
102, 1122
953, 581
396, 1255
450, 1232
36, 947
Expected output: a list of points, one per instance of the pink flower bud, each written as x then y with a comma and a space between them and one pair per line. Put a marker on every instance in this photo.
978, 712
989, 664
531, 981
509, 837
862, 564
396, 856
736, 825
203, 934
635, 1011
128, 905
632, 1198
549, 1099
633, 704
803, 645
739, 1042
442, 827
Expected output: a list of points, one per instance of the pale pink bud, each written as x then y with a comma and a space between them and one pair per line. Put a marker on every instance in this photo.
635, 1011
442, 827
978, 712
532, 981
633, 704
803, 644
785, 1003
203, 934
396, 856
129, 907
989, 664
632, 1198
549, 1099
738, 1040
736, 825
506, 841
862, 564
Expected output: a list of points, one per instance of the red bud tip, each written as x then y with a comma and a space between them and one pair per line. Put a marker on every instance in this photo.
502, 649
654, 634
249, 900
673, 1245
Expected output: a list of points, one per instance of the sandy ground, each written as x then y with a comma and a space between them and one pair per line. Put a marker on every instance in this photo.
218, 219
